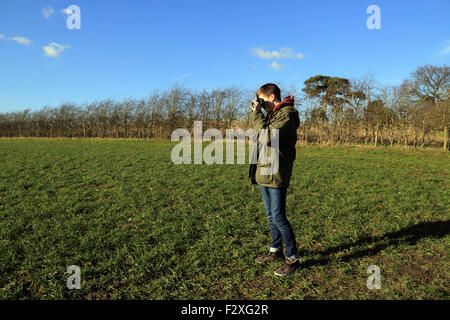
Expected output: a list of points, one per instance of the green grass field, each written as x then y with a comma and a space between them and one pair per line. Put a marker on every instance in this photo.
141, 227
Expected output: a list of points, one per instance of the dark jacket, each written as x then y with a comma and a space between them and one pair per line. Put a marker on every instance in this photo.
285, 118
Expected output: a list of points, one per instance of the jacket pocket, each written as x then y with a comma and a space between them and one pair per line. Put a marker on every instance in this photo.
263, 178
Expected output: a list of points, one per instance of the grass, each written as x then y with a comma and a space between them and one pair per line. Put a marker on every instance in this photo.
140, 227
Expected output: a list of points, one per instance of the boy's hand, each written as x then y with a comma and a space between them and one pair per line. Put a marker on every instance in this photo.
256, 105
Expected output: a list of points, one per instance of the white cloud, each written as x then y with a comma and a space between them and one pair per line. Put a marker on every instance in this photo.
276, 66
67, 11
2, 36
283, 53
446, 49
22, 40
47, 12
182, 76
53, 50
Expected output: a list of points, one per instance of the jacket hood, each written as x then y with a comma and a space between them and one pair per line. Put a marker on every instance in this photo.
288, 101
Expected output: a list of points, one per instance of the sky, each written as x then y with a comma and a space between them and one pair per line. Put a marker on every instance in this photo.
129, 49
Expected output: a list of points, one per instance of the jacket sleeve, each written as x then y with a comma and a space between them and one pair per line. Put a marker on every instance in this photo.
285, 122
256, 120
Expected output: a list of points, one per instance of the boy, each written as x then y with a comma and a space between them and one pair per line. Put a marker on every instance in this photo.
283, 116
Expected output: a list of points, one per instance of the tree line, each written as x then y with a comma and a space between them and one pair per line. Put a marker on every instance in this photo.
333, 110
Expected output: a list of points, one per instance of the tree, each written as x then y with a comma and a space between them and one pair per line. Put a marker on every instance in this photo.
330, 90
429, 88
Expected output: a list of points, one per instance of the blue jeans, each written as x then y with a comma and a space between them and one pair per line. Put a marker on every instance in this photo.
280, 228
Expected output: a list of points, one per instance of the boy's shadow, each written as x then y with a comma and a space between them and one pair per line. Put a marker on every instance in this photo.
410, 235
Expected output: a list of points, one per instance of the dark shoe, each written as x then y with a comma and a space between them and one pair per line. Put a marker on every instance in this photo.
289, 266
271, 256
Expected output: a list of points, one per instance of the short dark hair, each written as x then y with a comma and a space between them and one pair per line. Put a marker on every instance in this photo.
268, 89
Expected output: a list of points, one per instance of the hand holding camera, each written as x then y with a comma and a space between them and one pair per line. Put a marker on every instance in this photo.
257, 104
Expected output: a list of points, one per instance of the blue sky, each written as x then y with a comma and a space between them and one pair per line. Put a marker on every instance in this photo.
127, 49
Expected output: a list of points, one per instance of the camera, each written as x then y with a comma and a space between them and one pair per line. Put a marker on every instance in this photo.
260, 101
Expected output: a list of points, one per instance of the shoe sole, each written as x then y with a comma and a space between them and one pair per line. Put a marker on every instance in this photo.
284, 275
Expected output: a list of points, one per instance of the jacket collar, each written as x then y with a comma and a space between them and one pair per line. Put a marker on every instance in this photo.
288, 101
